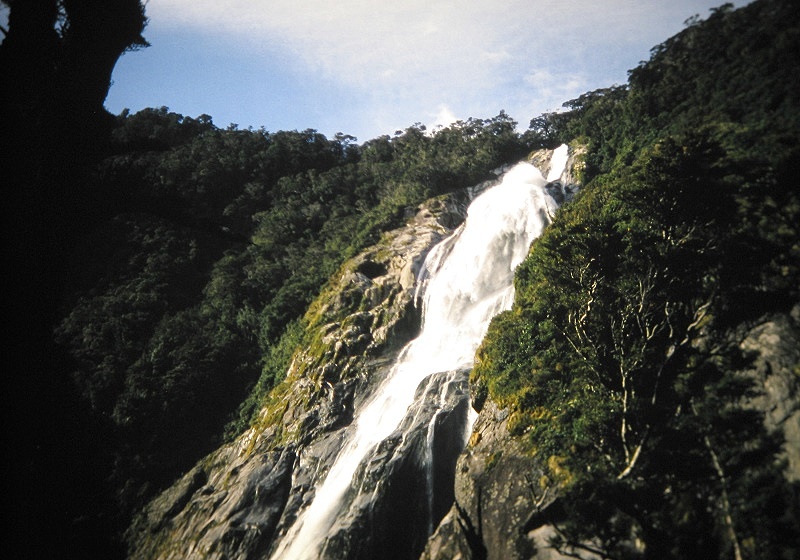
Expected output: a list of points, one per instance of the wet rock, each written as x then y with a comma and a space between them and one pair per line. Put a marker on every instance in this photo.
238, 509
234, 502
571, 176
390, 511
496, 492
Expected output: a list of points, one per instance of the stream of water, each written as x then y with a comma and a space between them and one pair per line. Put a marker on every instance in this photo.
466, 280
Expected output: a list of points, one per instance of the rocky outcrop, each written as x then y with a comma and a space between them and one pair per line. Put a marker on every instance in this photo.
225, 507
239, 501
496, 494
234, 502
774, 345
572, 175
394, 513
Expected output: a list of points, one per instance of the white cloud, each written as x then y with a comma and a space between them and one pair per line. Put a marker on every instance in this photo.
473, 57
444, 117
550, 90
459, 43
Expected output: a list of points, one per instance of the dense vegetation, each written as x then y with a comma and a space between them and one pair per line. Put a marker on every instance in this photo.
184, 255
186, 298
619, 357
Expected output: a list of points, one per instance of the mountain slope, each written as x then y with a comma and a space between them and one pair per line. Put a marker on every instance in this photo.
626, 386
640, 400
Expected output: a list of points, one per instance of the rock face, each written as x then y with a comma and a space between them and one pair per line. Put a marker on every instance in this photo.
496, 492
239, 501
235, 502
398, 516
775, 346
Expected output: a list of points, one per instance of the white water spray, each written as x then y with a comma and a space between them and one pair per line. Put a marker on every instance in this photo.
468, 279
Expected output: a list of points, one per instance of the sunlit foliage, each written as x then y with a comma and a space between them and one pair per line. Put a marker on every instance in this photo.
619, 359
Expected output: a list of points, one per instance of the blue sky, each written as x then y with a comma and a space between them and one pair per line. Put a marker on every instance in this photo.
371, 67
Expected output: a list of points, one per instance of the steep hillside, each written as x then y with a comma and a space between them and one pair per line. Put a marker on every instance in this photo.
241, 290
234, 501
633, 404
244, 500
185, 299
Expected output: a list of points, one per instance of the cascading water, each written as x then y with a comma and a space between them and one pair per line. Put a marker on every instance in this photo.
466, 280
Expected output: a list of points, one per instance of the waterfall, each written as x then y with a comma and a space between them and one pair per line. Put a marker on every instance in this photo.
465, 281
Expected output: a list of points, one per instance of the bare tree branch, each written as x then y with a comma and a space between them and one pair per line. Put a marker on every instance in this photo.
635, 455
726, 504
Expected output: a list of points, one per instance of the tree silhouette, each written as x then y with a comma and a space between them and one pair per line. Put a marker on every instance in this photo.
56, 60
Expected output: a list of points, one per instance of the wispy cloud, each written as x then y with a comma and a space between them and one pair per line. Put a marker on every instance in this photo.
444, 117
550, 90
474, 57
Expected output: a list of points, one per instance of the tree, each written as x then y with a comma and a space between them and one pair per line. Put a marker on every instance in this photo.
56, 61
619, 369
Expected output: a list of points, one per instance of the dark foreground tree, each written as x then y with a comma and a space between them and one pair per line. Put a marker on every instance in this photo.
56, 60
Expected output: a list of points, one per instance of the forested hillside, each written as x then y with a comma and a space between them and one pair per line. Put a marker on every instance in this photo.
187, 255
620, 360
187, 297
